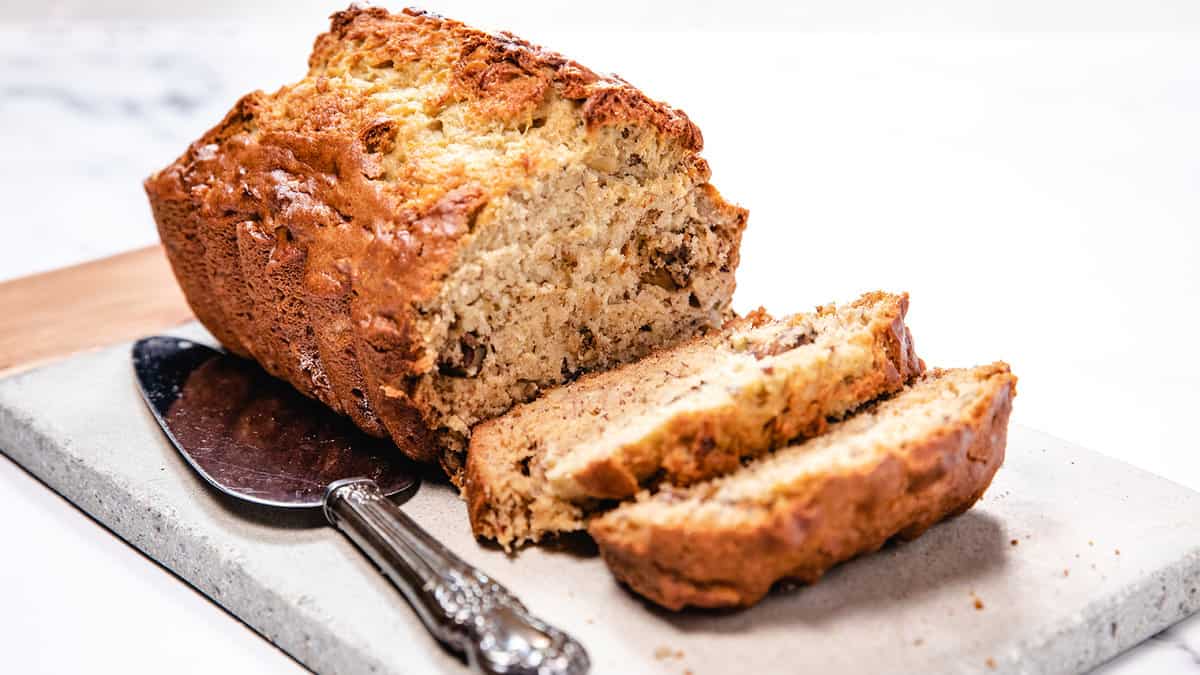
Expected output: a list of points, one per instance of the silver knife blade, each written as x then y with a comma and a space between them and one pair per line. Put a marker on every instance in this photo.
252, 436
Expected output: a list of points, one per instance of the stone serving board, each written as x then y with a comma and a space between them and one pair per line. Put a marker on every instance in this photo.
1070, 558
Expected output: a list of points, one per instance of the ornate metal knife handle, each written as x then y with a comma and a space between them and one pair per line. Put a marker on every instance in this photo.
460, 605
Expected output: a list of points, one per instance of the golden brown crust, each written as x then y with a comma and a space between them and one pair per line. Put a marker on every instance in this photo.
506, 76
835, 517
179, 208
264, 260
178, 217
476, 491
335, 313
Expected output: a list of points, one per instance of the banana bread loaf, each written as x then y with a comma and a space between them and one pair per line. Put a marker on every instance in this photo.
683, 414
436, 223
893, 469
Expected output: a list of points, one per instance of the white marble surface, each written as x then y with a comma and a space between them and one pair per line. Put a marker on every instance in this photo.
1037, 192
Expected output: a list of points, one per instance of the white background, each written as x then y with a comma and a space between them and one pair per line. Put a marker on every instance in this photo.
1029, 172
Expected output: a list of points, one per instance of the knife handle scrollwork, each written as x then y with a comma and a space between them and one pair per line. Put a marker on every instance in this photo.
460, 605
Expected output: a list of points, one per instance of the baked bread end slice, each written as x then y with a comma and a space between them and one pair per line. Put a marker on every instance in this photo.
892, 470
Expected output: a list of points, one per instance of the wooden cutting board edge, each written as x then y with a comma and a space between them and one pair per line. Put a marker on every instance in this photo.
50, 316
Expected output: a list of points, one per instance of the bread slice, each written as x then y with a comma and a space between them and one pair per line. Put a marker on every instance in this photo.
893, 469
682, 415
436, 223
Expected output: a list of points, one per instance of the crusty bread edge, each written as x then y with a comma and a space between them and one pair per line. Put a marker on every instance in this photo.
179, 216
903, 494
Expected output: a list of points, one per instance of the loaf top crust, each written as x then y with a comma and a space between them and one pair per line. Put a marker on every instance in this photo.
343, 121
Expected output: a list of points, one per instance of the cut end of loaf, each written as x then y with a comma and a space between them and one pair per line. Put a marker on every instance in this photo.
893, 469
683, 415
580, 271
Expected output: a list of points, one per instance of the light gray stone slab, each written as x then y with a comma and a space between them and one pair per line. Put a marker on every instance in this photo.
1106, 555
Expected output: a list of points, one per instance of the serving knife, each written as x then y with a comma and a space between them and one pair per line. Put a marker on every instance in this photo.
255, 438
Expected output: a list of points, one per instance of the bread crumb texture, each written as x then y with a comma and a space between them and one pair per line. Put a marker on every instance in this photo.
436, 223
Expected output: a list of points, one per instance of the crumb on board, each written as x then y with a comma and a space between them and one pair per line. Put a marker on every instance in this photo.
1066, 572
1117, 551
918, 642
991, 663
663, 652
1014, 542
1091, 542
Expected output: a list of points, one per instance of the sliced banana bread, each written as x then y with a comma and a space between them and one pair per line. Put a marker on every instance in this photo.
436, 223
682, 415
893, 469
